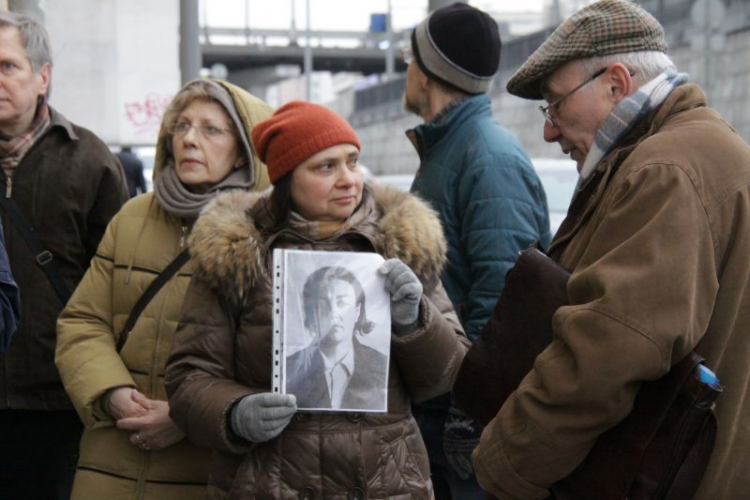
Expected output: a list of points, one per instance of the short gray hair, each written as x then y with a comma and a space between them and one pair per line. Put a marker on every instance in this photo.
33, 36
647, 65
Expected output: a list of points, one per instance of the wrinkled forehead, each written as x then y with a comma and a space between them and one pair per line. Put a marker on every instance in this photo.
11, 36
206, 108
562, 78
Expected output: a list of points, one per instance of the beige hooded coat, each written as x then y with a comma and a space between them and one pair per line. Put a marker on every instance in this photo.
139, 243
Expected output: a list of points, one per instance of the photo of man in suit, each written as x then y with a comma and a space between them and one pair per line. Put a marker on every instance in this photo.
336, 371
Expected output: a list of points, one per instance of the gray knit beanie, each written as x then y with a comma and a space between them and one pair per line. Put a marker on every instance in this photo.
458, 45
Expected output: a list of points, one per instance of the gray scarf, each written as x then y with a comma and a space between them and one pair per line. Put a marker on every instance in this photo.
629, 112
174, 197
178, 200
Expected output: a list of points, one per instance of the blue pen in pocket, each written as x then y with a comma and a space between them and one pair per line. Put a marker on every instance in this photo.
708, 377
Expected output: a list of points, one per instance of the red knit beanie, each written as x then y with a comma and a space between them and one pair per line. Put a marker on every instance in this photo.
297, 131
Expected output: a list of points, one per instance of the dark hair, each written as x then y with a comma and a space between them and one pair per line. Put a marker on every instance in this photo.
318, 283
280, 204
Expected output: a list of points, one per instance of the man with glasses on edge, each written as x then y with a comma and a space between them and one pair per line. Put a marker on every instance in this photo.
66, 184
657, 238
479, 179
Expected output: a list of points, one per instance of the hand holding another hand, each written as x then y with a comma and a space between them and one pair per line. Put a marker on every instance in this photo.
153, 430
123, 402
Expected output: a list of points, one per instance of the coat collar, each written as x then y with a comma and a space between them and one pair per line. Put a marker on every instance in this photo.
427, 135
231, 249
58, 120
590, 193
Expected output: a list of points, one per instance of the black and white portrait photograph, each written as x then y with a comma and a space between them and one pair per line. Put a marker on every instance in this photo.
336, 331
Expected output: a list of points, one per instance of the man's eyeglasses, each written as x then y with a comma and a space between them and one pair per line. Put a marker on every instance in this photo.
208, 131
556, 102
407, 54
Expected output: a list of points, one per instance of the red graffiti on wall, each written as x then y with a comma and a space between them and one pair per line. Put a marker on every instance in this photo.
145, 115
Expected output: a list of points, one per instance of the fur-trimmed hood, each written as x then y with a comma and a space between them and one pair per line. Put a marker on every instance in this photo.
231, 252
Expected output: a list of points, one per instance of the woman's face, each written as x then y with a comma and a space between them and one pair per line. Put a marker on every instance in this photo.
328, 185
204, 145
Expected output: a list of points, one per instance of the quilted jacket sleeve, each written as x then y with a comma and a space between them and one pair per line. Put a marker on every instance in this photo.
429, 358
200, 377
86, 356
502, 210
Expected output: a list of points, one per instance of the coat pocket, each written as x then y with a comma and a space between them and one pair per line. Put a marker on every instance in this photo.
404, 468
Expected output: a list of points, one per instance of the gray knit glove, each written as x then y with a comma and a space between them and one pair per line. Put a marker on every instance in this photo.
406, 291
261, 417
460, 437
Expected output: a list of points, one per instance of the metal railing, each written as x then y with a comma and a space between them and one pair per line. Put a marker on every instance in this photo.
251, 36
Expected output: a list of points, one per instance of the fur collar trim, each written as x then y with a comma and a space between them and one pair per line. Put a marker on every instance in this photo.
229, 250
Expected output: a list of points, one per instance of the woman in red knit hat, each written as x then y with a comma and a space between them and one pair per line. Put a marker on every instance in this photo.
219, 374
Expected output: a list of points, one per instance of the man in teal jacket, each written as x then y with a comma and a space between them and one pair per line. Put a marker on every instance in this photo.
490, 201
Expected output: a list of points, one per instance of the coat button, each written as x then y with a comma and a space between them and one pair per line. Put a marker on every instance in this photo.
354, 417
307, 493
302, 417
356, 494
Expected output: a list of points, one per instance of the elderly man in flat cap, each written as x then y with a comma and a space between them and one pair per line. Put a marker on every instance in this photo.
657, 239
479, 179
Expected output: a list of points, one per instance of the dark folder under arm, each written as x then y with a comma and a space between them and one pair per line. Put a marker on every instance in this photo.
660, 451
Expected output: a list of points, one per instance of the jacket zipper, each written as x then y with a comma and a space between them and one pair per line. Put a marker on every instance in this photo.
8, 186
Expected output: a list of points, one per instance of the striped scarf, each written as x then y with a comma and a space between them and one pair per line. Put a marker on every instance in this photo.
13, 149
627, 113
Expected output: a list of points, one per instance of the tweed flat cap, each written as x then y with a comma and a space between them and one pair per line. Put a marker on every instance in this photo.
600, 29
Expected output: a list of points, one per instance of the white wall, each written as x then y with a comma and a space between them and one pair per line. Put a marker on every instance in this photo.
116, 64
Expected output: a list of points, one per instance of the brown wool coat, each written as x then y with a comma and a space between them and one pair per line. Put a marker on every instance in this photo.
224, 354
68, 186
658, 243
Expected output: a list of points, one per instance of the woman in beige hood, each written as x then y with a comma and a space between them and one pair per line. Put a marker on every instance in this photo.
131, 448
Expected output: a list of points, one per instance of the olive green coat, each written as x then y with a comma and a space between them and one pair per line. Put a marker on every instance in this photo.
138, 245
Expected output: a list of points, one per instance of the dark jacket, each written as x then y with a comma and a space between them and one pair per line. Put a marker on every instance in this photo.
69, 185
224, 353
10, 300
306, 379
133, 168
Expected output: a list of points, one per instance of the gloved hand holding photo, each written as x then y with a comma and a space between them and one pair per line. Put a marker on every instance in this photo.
406, 291
261, 417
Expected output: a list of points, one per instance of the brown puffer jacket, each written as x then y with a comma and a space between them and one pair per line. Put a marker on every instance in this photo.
222, 353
